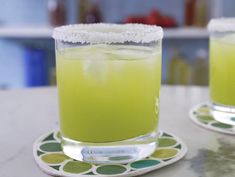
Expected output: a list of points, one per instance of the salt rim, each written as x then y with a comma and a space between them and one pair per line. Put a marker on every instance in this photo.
222, 25
108, 33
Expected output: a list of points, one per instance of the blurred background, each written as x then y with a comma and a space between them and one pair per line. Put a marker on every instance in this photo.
27, 50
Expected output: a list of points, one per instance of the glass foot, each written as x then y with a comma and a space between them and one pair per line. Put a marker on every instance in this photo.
222, 113
111, 153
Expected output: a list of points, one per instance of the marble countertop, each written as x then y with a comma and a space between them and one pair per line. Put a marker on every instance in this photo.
26, 114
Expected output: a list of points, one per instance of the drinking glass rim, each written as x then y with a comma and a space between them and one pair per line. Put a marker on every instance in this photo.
108, 33
222, 25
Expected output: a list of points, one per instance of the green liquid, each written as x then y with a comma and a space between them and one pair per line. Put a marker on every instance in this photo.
222, 71
108, 93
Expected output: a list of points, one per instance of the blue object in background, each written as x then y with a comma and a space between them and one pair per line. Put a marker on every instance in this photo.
35, 67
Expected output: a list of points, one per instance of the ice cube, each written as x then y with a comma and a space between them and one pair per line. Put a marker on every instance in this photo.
95, 65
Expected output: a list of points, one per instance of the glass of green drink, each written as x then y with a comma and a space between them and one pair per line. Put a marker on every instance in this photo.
108, 78
222, 69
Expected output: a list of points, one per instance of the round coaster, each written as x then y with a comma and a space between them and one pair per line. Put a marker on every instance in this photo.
50, 158
200, 115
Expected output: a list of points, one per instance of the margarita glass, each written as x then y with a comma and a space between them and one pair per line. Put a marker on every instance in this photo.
108, 78
222, 69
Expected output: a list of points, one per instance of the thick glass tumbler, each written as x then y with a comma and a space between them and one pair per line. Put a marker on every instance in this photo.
109, 79
222, 69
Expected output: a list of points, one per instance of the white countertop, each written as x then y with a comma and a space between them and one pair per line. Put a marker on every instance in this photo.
26, 114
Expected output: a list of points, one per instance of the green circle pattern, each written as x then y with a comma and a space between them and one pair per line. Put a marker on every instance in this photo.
221, 125
144, 163
76, 167
54, 158
49, 153
165, 153
110, 169
205, 118
51, 147
165, 142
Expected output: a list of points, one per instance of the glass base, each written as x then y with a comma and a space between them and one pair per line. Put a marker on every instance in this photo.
222, 113
111, 153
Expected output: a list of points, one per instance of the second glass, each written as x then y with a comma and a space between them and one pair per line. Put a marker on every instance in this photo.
108, 80
222, 69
